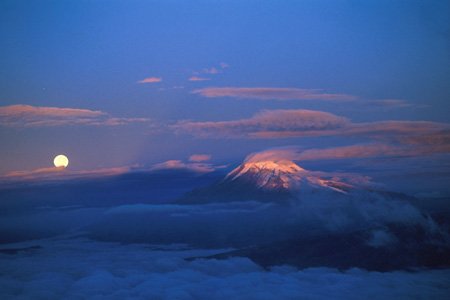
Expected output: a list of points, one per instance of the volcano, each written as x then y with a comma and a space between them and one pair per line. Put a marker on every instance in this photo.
267, 181
313, 219
283, 175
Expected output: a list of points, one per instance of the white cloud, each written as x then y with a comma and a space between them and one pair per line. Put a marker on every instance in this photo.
82, 269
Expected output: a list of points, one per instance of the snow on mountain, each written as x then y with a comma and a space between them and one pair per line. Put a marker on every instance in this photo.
271, 180
282, 175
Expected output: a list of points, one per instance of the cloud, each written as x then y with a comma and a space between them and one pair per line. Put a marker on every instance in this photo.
41, 116
274, 154
402, 138
386, 130
210, 71
391, 103
84, 269
381, 238
191, 166
196, 164
396, 127
201, 209
307, 122
150, 80
42, 173
349, 152
269, 93
60, 173
199, 157
197, 78
16, 110
353, 151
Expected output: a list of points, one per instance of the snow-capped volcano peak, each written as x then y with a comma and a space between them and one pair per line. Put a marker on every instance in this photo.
269, 174
276, 167
281, 175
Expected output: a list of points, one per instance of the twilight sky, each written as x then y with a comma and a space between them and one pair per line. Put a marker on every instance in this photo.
201, 84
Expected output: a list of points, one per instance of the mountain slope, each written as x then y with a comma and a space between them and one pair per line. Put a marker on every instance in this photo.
266, 181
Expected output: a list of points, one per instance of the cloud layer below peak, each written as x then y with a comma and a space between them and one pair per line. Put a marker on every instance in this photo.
111, 271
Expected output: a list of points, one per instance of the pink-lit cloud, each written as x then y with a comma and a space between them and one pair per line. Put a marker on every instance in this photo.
197, 167
51, 174
370, 150
20, 109
383, 138
307, 121
270, 93
197, 78
384, 128
298, 154
150, 80
353, 151
304, 123
34, 116
274, 154
60, 173
380, 130
199, 157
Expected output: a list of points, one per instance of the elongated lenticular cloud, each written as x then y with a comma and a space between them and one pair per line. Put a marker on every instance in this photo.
432, 137
392, 103
23, 110
173, 164
199, 157
381, 130
307, 121
54, 173
275, 154
269, 93
296, 153
34, 116
358, 151
150, 80
197, 78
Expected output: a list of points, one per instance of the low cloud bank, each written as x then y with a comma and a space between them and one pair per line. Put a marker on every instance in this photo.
81, 269
242, 224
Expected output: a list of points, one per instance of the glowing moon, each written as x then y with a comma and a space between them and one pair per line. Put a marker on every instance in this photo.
61, 161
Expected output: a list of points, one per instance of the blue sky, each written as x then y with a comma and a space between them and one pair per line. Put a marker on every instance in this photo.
364, 61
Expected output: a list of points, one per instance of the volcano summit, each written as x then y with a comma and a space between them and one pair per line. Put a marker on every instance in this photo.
268, 181
282, 175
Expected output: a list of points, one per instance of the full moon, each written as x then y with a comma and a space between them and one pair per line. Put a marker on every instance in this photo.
61, 161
